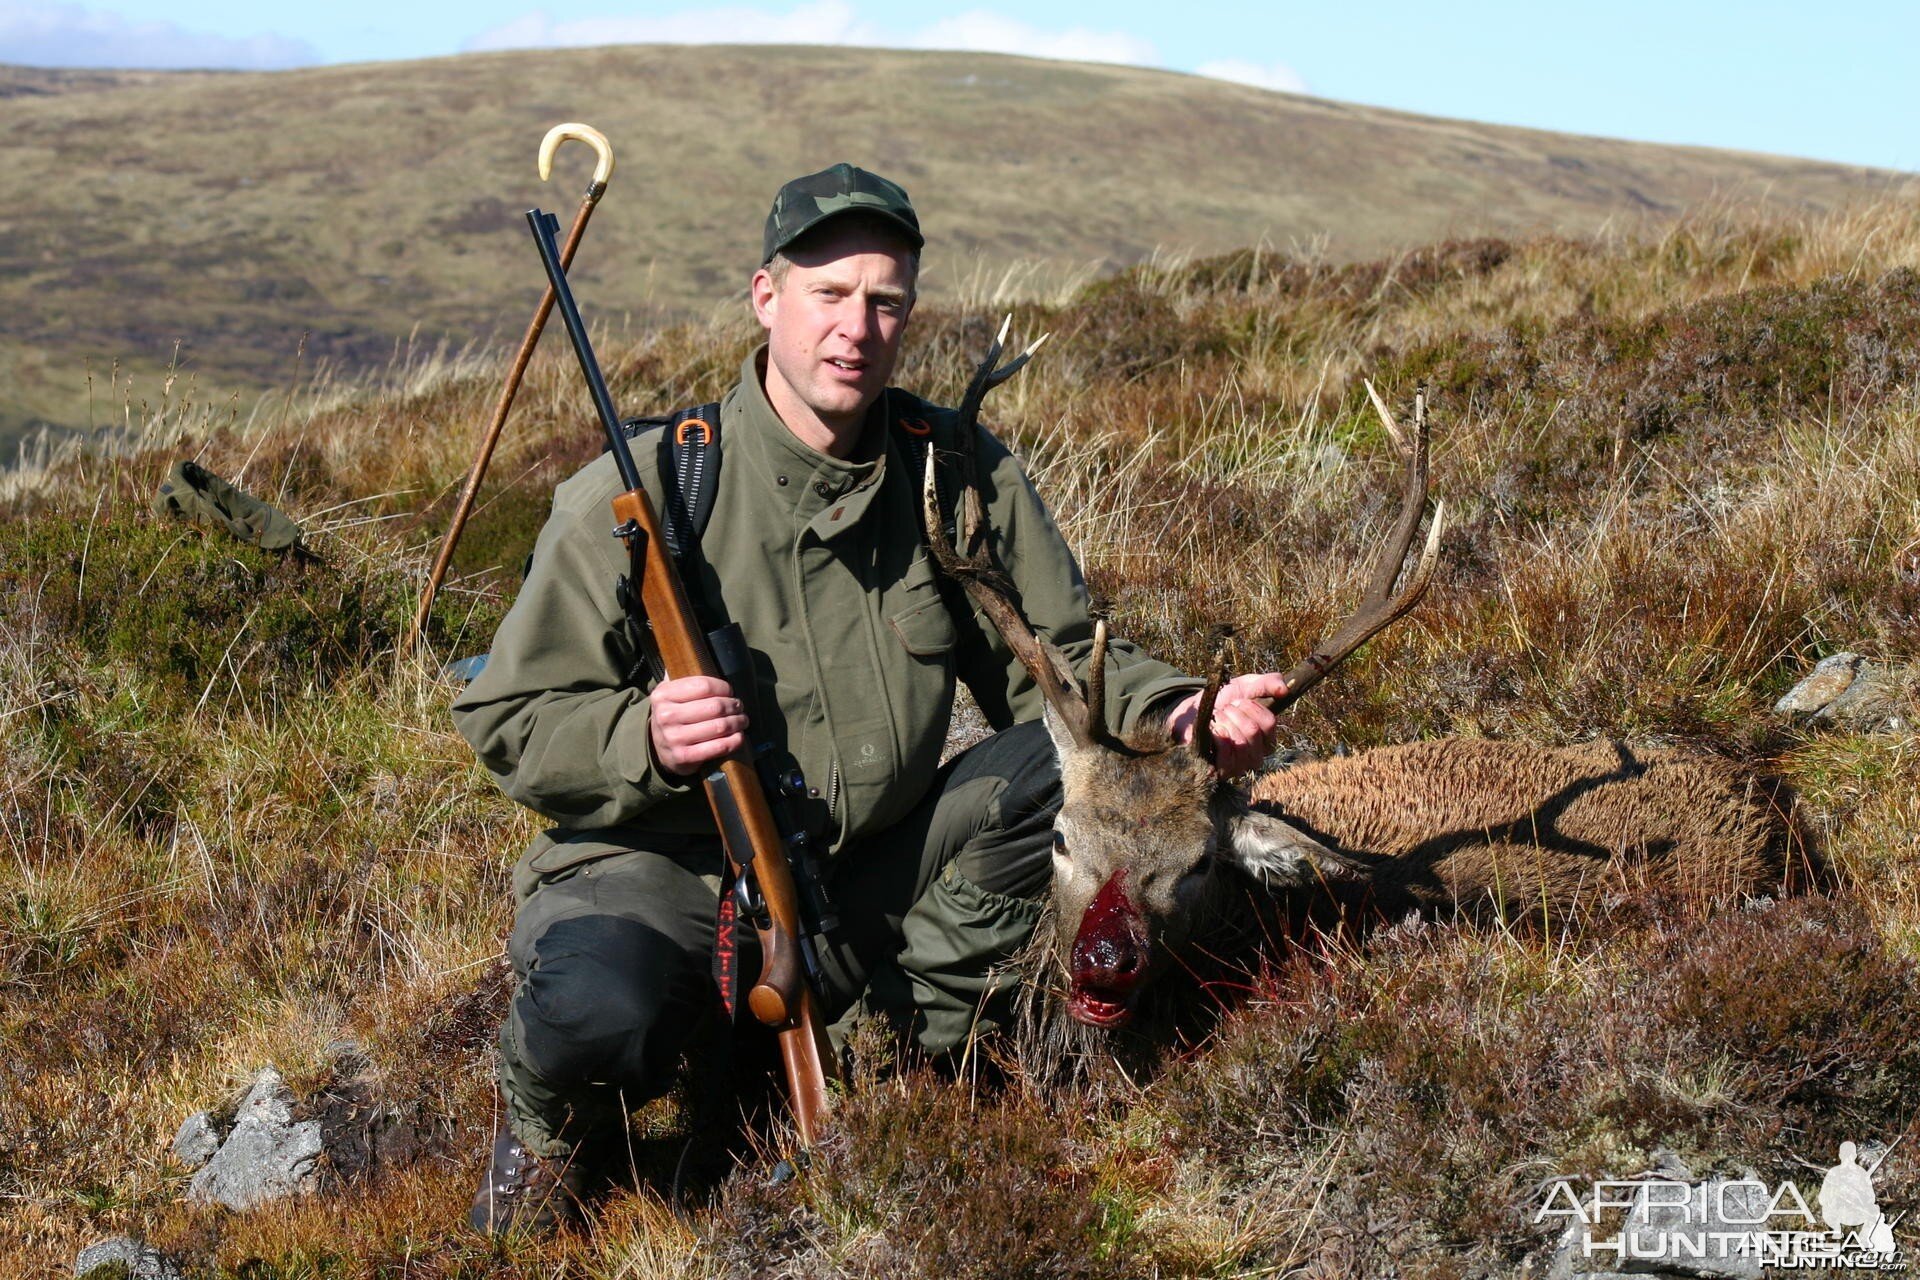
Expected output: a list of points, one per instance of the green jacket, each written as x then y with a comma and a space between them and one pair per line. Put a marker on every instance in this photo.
856, 641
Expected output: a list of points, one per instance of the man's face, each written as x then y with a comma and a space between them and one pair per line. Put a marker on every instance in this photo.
834, 326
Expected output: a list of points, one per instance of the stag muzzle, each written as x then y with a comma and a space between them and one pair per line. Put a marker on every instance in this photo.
1109, 959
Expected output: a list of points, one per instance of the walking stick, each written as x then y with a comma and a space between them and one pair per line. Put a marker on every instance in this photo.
597, 188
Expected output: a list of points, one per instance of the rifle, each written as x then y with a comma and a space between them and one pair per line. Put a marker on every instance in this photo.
786, 996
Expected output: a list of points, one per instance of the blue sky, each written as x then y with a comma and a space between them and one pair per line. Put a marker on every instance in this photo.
1833, 81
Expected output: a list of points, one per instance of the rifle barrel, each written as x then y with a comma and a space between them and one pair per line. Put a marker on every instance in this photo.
544, 225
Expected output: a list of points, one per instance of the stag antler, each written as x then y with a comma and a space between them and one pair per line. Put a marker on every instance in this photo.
1381, 606
989, 375
1083, 713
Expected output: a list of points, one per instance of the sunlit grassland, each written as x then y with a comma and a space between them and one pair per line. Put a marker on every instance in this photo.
238, 826
262, 224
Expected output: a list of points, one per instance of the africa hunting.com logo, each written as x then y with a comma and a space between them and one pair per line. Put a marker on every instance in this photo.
1739, 1221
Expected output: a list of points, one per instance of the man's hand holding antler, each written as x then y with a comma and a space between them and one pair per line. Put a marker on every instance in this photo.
1243, 726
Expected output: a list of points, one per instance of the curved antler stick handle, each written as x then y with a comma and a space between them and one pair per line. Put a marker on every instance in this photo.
602, 169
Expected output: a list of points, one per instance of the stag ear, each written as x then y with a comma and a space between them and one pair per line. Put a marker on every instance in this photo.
1057, 729
1265, 846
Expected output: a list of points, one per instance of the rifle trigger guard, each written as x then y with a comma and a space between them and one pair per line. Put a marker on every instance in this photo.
751, 903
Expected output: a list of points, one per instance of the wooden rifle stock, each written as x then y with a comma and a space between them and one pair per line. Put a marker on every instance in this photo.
783, 998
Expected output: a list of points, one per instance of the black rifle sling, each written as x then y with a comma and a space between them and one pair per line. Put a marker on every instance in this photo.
691, 472
689, 446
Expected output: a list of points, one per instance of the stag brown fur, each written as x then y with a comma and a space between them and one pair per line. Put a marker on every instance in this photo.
1148, 836
1471, 823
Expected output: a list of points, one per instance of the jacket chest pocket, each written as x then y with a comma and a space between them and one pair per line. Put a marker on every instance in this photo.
919, 618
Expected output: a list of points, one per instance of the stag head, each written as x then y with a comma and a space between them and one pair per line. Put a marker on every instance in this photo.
1144, 831
1146, 825
1141, 834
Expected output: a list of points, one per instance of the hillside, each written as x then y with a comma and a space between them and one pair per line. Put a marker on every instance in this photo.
359, 206
237, 829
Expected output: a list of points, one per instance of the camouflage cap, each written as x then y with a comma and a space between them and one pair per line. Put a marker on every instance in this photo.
805, 203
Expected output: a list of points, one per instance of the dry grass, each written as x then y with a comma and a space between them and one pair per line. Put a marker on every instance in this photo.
237, 827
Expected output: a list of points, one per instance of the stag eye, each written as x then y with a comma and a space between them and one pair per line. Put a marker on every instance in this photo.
1059, 845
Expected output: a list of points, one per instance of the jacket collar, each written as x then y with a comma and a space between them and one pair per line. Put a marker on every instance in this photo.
763, 421
814, 480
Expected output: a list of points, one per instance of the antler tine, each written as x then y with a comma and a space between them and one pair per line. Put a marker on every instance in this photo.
1413, 493
988, 375
1382, 606
991, 373
1019, 362
1386, 415
1096, 699
983, 380
1203, 744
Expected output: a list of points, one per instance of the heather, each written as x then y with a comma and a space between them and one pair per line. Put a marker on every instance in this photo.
1679, 469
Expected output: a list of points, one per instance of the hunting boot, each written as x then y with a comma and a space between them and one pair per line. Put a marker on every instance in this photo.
523, 1192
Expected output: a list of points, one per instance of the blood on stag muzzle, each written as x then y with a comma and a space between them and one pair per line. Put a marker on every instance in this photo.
1109, 957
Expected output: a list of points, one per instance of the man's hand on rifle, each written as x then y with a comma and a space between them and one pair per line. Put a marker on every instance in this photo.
696, 721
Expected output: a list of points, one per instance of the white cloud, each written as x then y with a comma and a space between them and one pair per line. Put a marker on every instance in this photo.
986, 32
1273, 75
818, 22
40, 34
821, 22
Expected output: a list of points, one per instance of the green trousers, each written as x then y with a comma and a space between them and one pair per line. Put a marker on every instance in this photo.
614, 957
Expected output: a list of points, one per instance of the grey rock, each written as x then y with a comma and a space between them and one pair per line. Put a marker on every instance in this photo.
1566, 1250
141, 1261
1828, 680
1569, 1264
267, 1155
1689, 1232
198, 1139
267, 1100
1854, 694
1880, 700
